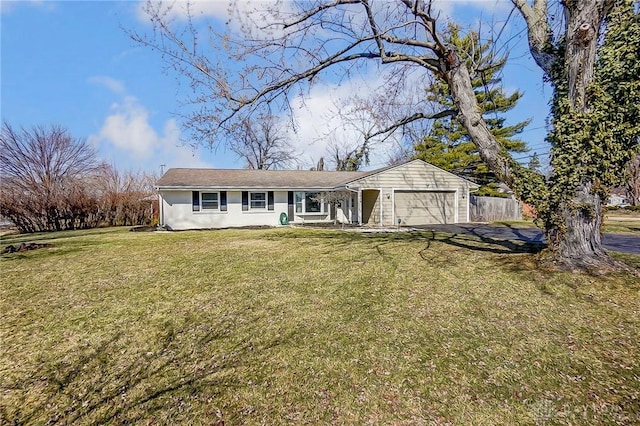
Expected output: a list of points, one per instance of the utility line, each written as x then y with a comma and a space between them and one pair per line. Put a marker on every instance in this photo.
543, 154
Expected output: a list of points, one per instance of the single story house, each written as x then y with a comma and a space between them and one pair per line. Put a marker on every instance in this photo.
413, 193
617, 199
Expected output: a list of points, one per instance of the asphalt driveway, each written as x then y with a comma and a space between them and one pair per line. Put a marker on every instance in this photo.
616, 242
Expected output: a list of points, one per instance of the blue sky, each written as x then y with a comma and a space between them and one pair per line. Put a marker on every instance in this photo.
71, 63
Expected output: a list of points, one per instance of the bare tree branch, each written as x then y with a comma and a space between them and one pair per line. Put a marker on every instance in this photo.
262, 143
406, 120
539, 32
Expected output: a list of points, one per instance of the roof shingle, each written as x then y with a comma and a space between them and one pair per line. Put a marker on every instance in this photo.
264, 179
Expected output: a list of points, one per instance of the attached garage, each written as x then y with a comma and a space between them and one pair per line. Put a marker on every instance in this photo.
425, 207
416, 192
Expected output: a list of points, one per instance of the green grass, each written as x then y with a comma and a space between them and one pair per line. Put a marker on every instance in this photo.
618, 224
622, 225
525, 223
299, 326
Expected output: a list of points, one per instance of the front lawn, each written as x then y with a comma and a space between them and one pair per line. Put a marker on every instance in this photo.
301, 326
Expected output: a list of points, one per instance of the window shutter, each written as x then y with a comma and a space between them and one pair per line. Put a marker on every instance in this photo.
270, 200
245, 201
291, 206
223, 201
195, 201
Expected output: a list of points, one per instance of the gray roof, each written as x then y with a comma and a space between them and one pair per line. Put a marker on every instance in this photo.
266, 179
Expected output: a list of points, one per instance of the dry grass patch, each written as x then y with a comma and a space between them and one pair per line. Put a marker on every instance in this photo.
286, 326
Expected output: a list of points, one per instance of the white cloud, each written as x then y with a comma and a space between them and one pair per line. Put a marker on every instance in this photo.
128, 129
7, 6
222, 10
217, 8
334, 113
112, 84
128, 139
246, 16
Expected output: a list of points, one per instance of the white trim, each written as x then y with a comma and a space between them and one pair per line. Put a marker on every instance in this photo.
161, 209
266, 201
381, 204
394, 220
455, 209
208, 210
468, 205
304, 211
360, 205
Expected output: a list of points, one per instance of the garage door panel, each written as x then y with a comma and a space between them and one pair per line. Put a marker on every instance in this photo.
425, 207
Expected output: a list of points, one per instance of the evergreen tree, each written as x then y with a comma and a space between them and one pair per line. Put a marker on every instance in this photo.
448, 144
534, 163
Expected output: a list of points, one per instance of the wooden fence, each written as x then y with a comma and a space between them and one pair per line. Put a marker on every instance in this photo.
488, 209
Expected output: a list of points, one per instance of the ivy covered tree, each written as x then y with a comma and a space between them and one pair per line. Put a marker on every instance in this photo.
595, 119
448, 144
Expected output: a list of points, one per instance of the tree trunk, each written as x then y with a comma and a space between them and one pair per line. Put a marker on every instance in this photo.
464, 98
575, 241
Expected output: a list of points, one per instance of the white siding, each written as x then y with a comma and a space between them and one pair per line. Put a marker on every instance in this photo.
417, 176
177, 212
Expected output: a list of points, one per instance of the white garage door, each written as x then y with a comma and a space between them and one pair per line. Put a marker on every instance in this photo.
425, 207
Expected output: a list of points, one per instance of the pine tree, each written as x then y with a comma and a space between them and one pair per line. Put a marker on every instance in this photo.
448, 144
534, 163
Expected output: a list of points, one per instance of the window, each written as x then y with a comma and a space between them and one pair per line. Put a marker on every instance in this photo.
299, 200
257, 200
308, 202
312, 203
210, 201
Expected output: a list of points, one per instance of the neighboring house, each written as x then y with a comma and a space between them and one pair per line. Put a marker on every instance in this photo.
413, 193
618, 198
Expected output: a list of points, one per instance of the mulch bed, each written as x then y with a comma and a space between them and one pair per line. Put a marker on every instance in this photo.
25, 247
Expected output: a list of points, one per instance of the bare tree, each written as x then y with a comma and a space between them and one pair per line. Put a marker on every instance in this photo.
262, 143
319, 167
295, 44
44, 173
334, 199
125, 198
52, 182
347, 157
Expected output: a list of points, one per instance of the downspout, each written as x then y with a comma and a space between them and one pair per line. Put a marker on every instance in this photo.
160, 208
